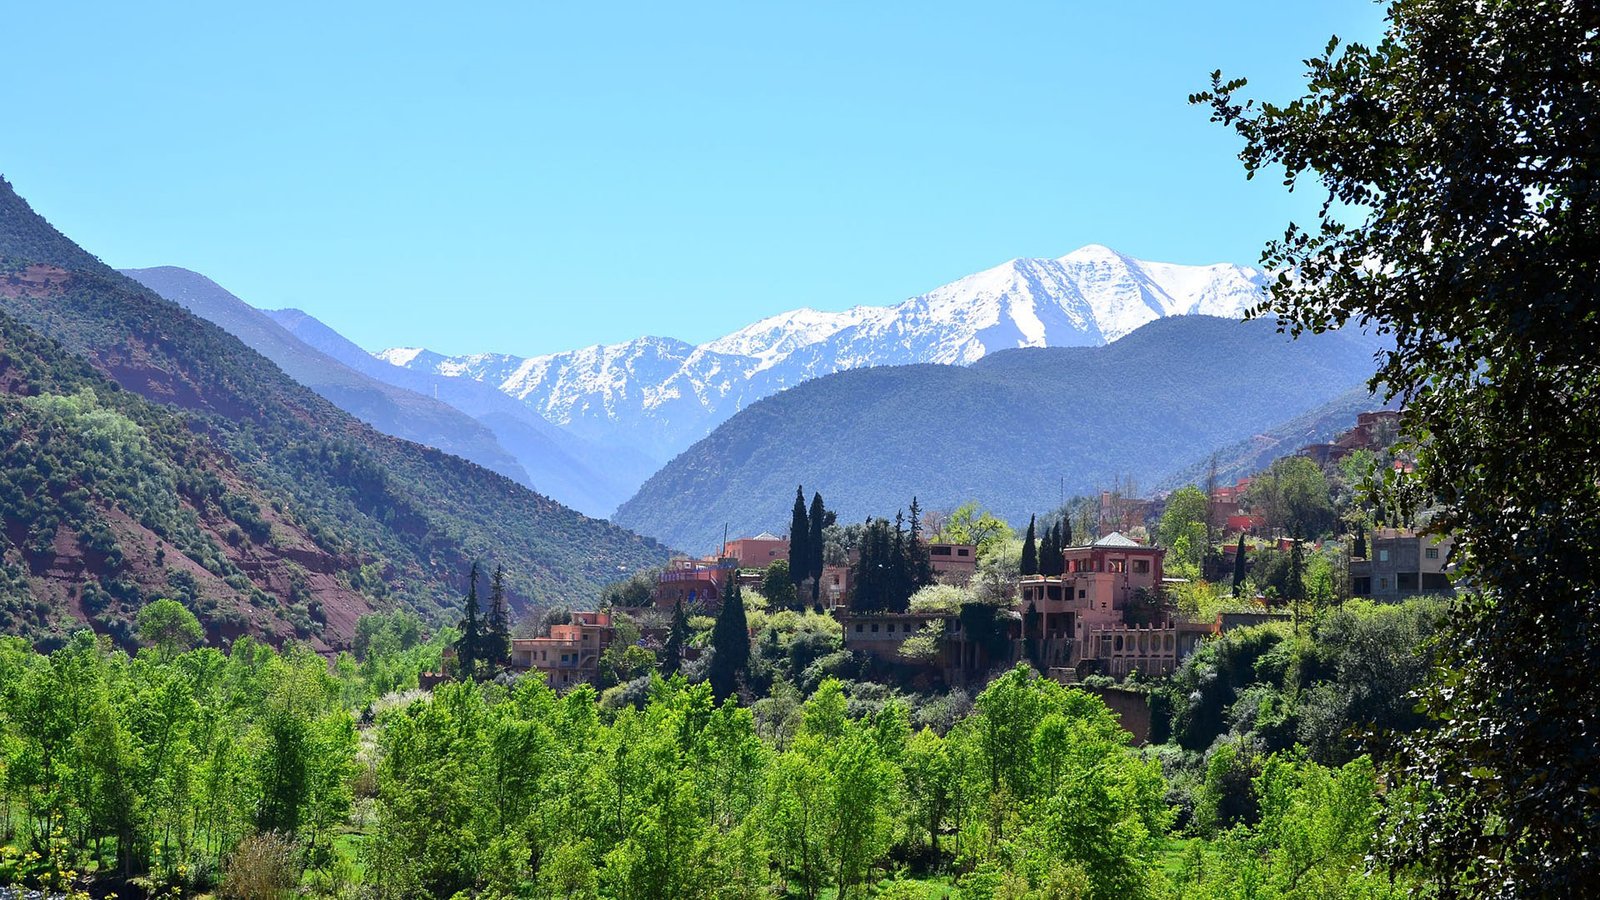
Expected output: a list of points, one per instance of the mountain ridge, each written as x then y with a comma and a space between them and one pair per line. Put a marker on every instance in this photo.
397, 523
662, 394
1010, 430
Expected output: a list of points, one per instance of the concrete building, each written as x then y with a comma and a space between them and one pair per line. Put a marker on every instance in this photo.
835, 587
757, 552
698, 584
1402, 564
570, 654
953, 563
880, 634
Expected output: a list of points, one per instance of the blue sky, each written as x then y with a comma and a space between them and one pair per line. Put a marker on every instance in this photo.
527, 178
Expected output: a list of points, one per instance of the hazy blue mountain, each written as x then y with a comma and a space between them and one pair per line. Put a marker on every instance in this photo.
1013, 430
586, 475
392, 410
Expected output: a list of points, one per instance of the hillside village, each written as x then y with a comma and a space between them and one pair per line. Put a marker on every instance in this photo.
1118, 606
1086, 577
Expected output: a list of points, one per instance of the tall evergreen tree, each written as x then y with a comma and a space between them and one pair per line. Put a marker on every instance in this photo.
899, 586
818, 519
672, 652
799, 539
471, 641
1065, 540
1030, 551
730, 644
1359, 551
497, 642
1051, 562
1239, 568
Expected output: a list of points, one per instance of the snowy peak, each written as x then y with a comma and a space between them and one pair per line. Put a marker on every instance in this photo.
662, 394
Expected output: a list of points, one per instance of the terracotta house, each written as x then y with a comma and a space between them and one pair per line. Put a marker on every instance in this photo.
570, 654
757, 552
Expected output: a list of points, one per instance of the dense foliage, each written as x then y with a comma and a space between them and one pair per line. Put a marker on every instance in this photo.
184, 769
1459, 161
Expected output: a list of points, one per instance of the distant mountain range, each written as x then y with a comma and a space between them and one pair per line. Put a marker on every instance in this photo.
660, 394
1014, 430
456, 415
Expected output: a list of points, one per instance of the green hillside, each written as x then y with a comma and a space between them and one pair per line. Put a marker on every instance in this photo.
1257, 451
390, 521
1012, 431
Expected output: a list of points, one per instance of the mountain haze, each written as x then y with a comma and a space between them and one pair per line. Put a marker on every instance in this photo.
394, 411
459, 416
660, 394
1013, 430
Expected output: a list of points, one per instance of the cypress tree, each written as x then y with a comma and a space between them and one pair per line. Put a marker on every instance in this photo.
471, 630
899, 587
817, 521
1065, 539
1050, 559
730, 645
1030, 552
919, 562
672, 652
1238, 568
799, 540
1359, 551
497, 644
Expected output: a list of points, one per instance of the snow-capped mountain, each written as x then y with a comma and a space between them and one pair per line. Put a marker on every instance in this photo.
660, 395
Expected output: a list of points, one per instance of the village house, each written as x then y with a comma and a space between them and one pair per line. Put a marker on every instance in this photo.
1402, 564
570, 654
880, 634
953, 563
757, 552
697, 584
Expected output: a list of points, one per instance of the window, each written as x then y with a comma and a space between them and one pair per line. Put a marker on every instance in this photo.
1118, 565
859, 627
874, 627
1383, 556
1432, 552
963, 551
937, 550
1383, 584
1141, 567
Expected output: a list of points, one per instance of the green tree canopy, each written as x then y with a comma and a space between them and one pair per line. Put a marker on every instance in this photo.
1458, 158
168, 627
1183, 529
